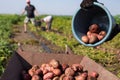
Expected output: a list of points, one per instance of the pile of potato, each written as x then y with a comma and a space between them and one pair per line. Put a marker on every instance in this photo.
93, 35
53, 70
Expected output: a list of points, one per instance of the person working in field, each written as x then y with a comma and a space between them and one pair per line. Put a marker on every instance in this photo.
48, 20
31, 12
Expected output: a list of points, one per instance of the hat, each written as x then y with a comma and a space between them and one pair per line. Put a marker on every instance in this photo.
27, 1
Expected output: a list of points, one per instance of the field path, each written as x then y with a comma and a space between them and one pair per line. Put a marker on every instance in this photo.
29, 42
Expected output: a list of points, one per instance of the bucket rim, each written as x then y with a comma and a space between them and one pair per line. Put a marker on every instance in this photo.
108, 32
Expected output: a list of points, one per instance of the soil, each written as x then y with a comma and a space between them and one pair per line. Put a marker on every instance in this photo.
29, 42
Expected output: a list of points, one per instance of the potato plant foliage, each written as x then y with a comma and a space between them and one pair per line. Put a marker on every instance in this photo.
6, 49
61, 35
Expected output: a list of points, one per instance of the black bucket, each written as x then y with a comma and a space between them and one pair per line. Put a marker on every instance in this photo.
97, 14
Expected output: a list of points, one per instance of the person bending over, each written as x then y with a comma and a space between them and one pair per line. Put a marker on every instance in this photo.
48, 20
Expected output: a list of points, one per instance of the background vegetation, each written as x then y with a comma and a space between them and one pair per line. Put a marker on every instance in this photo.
61, 36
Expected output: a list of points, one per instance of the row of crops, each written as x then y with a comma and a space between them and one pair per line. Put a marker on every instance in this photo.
6, 48
60, 36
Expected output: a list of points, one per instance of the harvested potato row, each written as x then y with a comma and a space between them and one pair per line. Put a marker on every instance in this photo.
93, 35
53, 70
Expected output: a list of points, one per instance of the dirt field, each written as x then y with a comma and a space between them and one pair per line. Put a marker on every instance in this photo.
31, 43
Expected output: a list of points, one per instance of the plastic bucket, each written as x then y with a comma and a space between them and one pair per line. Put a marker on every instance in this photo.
98, 14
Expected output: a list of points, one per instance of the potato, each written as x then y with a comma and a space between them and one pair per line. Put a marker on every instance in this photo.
45, 71
85, 39
93, 39
54, 63
38, 72
56, 78
68, 78
94, 74
64, 66
35, 67
35, 77
101, 35
91, 78
77, 67
69, 72
57, 72
89, 33
42, 67
83, 76
94, 28
62, 77
48, 75
31, 72
48, 67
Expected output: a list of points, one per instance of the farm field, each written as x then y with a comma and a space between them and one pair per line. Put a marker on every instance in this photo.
108, 55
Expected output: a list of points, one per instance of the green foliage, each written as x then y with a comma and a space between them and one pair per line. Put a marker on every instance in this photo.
6, 48
117, 19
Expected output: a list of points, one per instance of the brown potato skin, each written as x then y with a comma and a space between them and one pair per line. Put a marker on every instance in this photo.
54, 63
69, 71
94, 28
35, 77
77, 67
57, 72
63, 72
101, 35
48, 75
93, 39
85, 39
